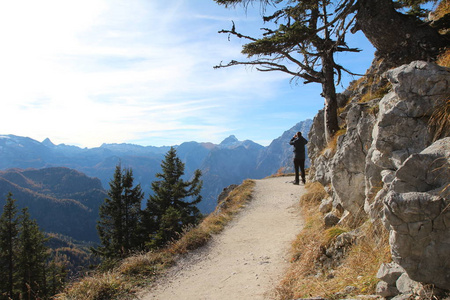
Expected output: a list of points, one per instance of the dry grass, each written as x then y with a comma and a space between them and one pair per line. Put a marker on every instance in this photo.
439, 123
307, 279
332, 144
378, 93
356, 83
123, 281
442, 9
105, 286
444, 59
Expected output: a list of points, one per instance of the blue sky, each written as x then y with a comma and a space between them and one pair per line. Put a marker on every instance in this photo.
88, 72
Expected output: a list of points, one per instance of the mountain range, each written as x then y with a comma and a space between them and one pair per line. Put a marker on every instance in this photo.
57, 176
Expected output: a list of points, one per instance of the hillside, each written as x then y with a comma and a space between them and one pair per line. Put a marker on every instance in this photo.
62, 200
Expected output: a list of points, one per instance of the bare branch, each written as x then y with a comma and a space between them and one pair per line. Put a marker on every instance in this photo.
239, 35
268, 66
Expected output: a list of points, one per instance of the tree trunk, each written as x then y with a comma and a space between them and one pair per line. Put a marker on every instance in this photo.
329, 93
397, 37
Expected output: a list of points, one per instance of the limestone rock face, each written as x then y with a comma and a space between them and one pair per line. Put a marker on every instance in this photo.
418, 211
348, 164
386, 165
316, 142
401, 128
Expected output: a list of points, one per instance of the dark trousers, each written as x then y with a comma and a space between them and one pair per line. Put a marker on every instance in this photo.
299, 163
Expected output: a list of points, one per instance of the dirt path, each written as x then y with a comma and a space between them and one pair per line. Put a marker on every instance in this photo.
245, 261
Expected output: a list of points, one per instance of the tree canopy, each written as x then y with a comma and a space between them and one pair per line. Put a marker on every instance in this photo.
308, 33
303, 44
396, 28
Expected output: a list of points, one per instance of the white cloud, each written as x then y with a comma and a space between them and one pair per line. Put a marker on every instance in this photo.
95, 71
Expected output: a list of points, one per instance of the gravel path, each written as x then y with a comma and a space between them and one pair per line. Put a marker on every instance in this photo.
245, 261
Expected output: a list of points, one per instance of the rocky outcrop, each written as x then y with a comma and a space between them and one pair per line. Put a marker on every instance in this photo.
385, 167
401, 128
348, 164
417, 209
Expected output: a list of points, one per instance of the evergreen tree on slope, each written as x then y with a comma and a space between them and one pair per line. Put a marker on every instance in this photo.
24, 257
173, 205
120, 217
9, 232
32, 259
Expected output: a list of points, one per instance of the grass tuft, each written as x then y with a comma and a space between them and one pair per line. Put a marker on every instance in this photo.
332, 144
333, 232
378, 93
439, 123
315, 194
444, 59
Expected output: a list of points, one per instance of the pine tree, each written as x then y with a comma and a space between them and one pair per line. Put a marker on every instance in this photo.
56, 274
309, 33
9, 231
133, 214
304, 45
398, 38
24, 257
173, 205
32, 257
120, 217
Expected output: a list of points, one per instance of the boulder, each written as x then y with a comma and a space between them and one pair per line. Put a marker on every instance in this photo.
326, 205
390, 272
225, 192
386, 290
426, 171
330, 220
419, 216
387, 165
316, 142
405, 285
345, 239
401, 128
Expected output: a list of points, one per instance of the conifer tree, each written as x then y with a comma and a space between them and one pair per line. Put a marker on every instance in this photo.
398, 37
303, 45
310, 32
172, 207
24, 257
132, 214
32, 258
120, 217
56, 274
9, 231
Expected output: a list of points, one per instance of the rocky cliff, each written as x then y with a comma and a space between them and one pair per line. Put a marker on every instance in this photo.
388, 164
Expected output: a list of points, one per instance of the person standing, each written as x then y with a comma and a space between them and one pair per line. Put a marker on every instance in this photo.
299, 142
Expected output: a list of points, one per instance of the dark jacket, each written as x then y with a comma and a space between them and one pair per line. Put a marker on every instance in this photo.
299, 146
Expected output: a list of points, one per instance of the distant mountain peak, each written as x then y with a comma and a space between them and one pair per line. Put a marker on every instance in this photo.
48, 143
229, 141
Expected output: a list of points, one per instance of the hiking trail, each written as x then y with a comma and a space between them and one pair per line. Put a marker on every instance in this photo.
248, 258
